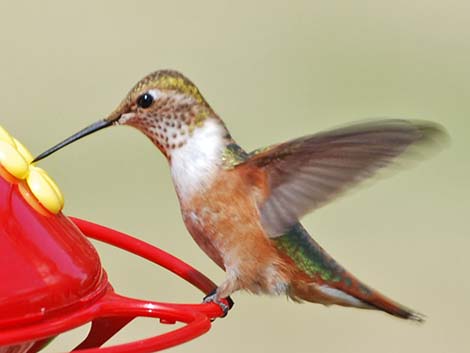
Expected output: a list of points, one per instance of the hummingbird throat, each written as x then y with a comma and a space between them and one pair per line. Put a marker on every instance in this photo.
197, 162
171, 124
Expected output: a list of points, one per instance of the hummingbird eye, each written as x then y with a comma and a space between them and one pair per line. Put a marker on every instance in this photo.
145, 100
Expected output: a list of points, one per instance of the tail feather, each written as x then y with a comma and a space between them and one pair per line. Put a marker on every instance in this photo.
380, 302
318, 278
366, 298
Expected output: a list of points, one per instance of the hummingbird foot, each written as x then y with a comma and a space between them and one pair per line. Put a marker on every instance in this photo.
213, 298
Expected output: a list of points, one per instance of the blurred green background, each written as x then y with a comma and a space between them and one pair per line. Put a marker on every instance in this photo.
273, 71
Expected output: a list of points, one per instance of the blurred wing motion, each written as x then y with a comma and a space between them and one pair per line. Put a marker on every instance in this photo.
306, 173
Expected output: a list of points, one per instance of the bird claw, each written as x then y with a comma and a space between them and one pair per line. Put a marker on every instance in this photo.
212, 298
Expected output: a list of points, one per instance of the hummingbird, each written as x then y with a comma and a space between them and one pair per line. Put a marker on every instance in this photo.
243, 208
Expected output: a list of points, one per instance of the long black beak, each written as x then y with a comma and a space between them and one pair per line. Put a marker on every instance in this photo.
82, 133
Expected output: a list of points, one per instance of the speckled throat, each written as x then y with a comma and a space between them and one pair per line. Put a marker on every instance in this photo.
172, 121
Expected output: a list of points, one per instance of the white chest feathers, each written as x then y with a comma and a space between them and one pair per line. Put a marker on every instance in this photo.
195, 164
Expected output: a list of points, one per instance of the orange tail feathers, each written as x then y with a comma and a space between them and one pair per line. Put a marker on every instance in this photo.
380, 302
356, 294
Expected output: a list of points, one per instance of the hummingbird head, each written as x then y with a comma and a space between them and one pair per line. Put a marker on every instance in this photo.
165, 105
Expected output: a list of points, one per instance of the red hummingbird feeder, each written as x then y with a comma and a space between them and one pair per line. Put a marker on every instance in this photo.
52, 280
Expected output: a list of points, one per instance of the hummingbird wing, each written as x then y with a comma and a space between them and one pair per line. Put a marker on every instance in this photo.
308, 172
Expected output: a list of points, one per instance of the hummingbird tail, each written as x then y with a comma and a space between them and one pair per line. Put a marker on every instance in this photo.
380, 302
318, 278
359, 296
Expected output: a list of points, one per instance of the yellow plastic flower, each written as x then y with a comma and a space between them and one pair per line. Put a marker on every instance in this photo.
16, 160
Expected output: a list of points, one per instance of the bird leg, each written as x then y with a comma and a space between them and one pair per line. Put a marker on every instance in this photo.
213, 297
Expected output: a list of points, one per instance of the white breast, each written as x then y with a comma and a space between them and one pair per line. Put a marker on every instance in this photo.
195, 164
